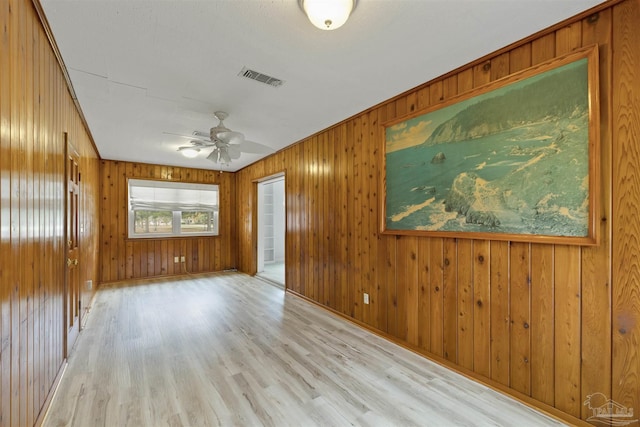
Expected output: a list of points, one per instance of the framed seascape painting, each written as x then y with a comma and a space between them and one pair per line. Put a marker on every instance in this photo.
516, 159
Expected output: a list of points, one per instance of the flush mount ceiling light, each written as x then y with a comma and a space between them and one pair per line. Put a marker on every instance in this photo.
189, 152
328, 14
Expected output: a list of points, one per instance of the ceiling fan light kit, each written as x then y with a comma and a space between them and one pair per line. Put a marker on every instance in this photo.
328, 14
189, 152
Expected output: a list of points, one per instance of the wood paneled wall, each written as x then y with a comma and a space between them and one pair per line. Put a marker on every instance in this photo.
122, 258
625, 259
36, 109
532, 319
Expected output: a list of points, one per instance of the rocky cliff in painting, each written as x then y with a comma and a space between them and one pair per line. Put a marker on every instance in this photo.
439, 158
545, 195
546, 98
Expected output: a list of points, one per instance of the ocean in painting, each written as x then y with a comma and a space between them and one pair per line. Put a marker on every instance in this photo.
515, 175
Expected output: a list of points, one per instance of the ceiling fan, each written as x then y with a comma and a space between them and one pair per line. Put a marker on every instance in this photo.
226, 144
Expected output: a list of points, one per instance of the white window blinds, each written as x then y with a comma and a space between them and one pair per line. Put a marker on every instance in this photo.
172, 196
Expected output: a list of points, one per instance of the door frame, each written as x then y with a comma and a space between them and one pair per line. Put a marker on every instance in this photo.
255, 214
71, 253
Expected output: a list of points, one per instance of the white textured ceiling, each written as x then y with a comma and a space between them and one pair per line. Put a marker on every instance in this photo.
142, 68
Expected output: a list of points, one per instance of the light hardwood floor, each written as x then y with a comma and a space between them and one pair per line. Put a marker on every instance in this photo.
231, 350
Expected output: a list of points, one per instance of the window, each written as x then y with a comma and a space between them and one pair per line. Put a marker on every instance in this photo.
172, 209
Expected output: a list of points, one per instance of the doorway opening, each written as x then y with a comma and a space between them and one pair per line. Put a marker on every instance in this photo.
271, 230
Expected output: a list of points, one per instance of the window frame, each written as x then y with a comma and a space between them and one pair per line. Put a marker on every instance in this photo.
176, 221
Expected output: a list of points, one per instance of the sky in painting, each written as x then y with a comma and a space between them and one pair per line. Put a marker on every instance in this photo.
416, 131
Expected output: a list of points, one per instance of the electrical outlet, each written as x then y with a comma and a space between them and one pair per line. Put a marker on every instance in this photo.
366, 298
182, 259
89, 285
176, 259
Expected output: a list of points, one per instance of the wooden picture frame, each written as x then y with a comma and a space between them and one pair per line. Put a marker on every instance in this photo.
516, 159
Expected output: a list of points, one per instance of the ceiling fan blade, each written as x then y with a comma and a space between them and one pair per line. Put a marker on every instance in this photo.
200, 144
234, 152
196, 135
201, 135
254, 147
230, 137
178, 134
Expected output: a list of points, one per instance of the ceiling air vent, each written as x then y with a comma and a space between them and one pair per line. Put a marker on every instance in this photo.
259, 77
